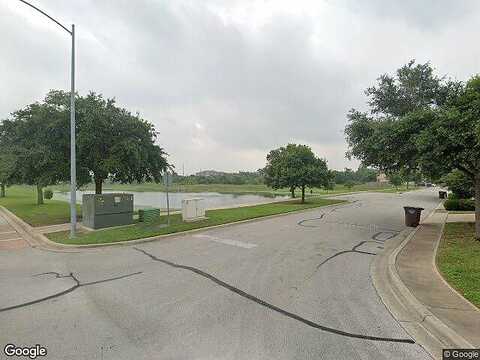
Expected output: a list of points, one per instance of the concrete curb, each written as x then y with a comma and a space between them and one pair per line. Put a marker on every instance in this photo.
28, 233
428, 331
54, 246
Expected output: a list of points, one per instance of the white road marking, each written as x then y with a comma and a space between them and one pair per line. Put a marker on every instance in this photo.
227, 241
7, 232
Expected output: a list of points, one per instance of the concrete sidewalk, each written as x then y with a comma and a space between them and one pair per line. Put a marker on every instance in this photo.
416, 267
456, 217
10, 239
24, 234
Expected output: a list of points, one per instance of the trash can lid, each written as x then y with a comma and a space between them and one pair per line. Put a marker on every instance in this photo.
413, 207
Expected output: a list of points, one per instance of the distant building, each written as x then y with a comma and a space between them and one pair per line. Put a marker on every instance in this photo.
382, 178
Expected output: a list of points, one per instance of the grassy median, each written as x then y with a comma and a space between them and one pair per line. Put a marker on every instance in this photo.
22, 201
458, 259
214, 217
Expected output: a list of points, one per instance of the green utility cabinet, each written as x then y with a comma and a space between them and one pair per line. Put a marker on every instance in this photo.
148, 215
106, 210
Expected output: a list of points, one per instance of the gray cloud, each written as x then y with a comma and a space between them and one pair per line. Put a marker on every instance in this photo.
226, 81
426, 14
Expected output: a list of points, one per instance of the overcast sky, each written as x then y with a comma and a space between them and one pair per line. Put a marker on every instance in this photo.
226, 81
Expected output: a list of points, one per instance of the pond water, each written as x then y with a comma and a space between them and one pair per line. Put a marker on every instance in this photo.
158, 199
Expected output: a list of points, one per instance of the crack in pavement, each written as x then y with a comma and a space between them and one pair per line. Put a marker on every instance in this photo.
352, 250
378, 238
268, 305
356, 203
363, 226
77, 285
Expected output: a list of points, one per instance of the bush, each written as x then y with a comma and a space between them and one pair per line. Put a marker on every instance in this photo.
460, 185
349, 184
47, 194
459, 205
452, 196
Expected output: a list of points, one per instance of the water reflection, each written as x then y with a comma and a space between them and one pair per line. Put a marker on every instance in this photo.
158, 199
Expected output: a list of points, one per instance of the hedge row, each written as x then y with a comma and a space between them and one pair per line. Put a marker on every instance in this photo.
459, 204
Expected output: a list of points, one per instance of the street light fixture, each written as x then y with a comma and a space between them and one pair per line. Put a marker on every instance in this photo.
73, 168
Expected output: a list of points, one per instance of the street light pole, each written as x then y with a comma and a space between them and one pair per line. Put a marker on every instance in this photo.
73, 162
73, 165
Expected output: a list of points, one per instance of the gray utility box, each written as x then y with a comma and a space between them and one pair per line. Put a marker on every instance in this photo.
105, 210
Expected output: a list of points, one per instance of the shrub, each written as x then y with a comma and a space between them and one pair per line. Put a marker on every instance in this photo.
349, 184
459, 184
452, 196
459, 205
47, 194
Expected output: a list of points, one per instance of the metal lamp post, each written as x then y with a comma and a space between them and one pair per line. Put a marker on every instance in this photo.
73, 168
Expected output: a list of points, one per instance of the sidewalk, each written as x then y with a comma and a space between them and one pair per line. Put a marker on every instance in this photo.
10, 239
455, 217
19, 234
416, 267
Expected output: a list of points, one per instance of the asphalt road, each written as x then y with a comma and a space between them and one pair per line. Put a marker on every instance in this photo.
291, 287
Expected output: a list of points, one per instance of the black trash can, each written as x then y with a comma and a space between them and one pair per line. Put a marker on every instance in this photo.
442, 194
412, 215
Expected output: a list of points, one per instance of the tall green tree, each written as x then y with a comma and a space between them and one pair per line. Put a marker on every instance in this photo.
7, 170
296, 166
377, 138
429, 124
34, 136
112, 143
7, 162
396, 179
452, 141
413, 87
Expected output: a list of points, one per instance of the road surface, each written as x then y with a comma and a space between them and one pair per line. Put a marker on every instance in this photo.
290, 287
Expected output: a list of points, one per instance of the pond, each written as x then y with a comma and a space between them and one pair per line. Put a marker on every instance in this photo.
158, 199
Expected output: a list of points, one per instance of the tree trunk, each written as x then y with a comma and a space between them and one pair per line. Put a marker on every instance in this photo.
292, 190
303, 194
2, 190
477, 206
39, 194
98, 186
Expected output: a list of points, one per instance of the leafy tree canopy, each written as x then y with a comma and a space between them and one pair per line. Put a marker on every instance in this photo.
413, 87
295, 166
436, 128
361, 176
461, 186
378, 137
34, 137
112, 143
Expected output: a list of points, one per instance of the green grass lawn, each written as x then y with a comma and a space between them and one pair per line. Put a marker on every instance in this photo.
237, 189
214, 217
22, 201
458, 259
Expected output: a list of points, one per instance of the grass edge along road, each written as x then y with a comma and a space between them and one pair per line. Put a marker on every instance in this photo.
458, 259
21, 200
214, 217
